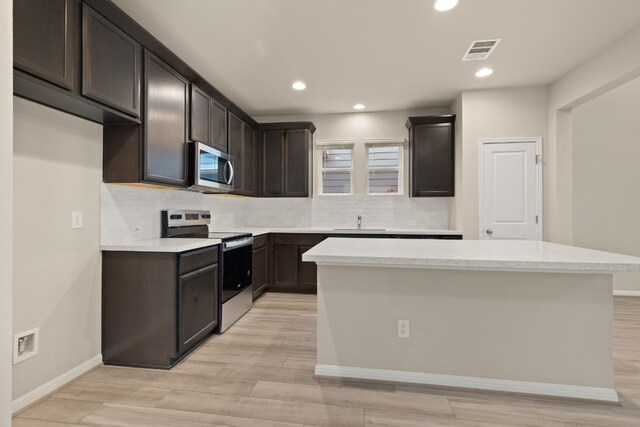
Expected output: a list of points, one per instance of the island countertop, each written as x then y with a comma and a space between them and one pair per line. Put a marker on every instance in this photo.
469, 255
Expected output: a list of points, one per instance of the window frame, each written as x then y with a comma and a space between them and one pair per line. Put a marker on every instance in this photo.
370, 143
321, 146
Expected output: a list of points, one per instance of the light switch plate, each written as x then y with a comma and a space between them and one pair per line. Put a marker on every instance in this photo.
76, 219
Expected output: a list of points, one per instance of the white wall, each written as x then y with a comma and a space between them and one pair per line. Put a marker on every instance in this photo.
606, 150
511, 112
613, 66
57, 270
6, 209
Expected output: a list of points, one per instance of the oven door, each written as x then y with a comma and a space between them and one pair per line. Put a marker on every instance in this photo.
210, 170
237, 267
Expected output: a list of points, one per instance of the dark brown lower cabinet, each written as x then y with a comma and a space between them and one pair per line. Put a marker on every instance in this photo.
156, 307
286, 267
290, 273
198, 305
260, 266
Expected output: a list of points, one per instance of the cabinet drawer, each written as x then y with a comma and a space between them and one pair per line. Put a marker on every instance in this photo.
259, 241
299, 239
191, 261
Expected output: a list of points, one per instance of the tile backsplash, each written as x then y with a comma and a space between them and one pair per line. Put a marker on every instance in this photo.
133, 213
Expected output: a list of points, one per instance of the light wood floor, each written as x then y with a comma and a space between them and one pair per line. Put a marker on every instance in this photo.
260, 373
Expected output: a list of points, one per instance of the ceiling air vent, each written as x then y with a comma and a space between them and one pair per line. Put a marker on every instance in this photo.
480, 49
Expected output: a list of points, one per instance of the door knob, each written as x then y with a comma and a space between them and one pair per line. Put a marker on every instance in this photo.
489, 231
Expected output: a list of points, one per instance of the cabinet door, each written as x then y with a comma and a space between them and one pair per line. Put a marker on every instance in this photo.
165, 116
200, 116
432, 158
259, 271
296, 163
286, 266
250, 161
307, 271
43, 39
198, 305
273, 163
236, 136
218, 126
112, 63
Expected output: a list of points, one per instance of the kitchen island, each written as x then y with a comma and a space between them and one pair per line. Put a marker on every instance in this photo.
516, 316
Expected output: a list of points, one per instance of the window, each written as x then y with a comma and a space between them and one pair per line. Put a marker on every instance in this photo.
336, 167
384, 168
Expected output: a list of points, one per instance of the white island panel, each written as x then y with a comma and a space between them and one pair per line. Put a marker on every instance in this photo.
526, 317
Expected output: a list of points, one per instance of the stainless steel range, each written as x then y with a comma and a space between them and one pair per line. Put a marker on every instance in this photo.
235, 260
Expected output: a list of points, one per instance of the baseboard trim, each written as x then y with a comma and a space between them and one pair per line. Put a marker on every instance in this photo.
525, 387
47, 388
626, 293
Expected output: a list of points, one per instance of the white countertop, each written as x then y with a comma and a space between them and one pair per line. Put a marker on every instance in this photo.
258, 231
469, 255
161, 245
181, 245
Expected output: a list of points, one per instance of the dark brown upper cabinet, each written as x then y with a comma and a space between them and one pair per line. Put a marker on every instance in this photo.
286, 159
200, 116
44, 39
272, 163
218, 126
297, 162
431, 156
250, 157
242, 146
236, 137
155, 151
111, 64
166, 114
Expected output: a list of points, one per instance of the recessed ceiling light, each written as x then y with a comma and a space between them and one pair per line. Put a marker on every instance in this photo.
299, 85
358, 107
484, 72
444, 5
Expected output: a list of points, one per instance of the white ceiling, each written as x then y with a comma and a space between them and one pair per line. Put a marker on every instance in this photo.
387, 54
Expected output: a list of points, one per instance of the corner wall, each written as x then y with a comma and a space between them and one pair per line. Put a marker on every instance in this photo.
6, 209
606, 149
499, 113
615, 65
57, 270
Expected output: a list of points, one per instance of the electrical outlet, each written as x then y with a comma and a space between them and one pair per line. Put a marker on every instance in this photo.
25, 345
76, 219
403, 329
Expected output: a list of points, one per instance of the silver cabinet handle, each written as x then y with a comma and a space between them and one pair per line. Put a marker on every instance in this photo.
489, 231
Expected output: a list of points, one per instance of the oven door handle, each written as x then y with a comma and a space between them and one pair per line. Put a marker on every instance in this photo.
234, 244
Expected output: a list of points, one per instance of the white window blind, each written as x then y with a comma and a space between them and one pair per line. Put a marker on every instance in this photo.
384, 168
336, 166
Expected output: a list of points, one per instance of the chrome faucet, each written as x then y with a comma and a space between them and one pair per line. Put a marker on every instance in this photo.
359, 222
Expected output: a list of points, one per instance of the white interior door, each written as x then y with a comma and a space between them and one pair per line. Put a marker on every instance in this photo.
510, 190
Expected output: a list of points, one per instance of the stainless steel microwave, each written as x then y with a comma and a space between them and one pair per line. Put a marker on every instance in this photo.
210, 170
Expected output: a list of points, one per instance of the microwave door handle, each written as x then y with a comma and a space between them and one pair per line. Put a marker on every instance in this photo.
230, 180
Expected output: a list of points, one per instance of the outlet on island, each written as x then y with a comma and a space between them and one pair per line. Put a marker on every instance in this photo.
403, 329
